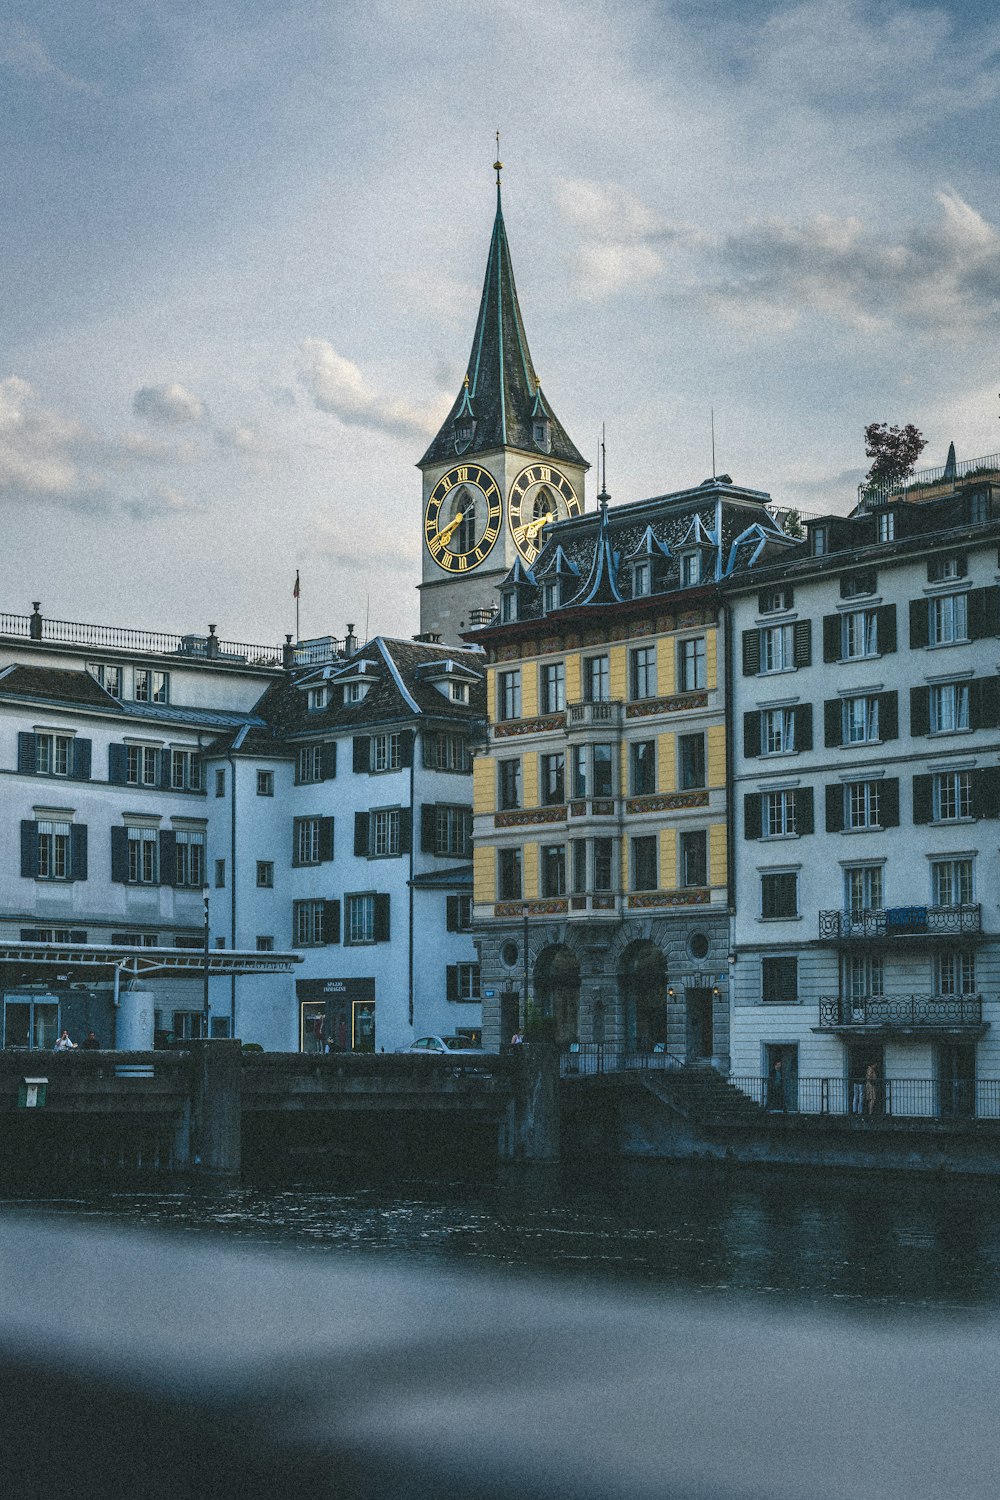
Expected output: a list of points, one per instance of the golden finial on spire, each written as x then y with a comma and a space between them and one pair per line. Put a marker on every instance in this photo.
498, 164
465, 382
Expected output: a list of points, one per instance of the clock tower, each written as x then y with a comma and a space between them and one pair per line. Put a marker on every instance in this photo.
501, 468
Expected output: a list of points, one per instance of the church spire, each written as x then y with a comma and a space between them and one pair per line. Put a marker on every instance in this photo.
497, 406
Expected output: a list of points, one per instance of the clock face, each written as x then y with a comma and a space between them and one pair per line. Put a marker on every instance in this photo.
462, 518
538, 496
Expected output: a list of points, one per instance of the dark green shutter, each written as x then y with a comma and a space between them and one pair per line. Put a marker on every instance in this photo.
295, 842
802, 643
804, 819
117, 764
405, 830
381, 919
331, 921
751, 735
984, 703
406, 747
803, 726
752, 815
833, 722
81, 760
26, 752
751, 653
428, 828
325, 839
888, 716
984, 613
451, 982
361, 833
885, 629
986, 792
831, 637
29, 848
362, 752
78, 851
919, 616
168, 857
451, 917
888, 802
920, 710
328, 760
119, 854
834, 808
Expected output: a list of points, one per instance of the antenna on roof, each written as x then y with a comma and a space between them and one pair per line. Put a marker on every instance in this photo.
712, 409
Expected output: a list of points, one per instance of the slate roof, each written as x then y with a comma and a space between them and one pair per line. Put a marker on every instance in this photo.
603, 547
69, 688
503, 388
398, 694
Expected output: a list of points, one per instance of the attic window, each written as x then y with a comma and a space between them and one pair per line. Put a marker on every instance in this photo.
542, 435
550, 595
820, 541
318, 697
354, 692
459, 692
465, 430
642, 575
690, 569
508, 606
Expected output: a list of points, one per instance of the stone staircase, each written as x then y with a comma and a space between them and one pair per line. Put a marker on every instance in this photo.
703, 1096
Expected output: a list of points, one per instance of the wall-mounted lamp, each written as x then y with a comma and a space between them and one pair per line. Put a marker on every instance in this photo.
670, 994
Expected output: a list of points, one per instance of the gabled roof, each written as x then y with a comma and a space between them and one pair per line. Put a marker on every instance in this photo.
503, 391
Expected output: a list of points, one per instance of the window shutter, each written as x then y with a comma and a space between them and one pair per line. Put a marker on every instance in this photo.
78, 851
406, 748
428, 842
804, 819
751, 653
163, 771
803, 726
920, 710
117, 764
919, 615
77, 935
328, 760
362, 752
381, 919
29, 848
834, 808
26, 752
451, 983
802, 643
833, 722
361, 833
831, 637
751, 735
405, 830
331, 921
752, 815
295, 842
451, 918
984, 613
986, 792
922, 798
81, 760
168, 857
888, 802
888, 716
119, 852
325, 839
885, 629
984, 702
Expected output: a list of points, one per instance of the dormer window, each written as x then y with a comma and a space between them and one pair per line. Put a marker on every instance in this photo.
508, 606
690, 569
820, 541
354, 692
317, 698
465, 431
458, 692
642, 579
542, 434
550, 595
885, 523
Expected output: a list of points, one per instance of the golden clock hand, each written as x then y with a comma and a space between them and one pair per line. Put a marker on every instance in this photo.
534, 527
447, 532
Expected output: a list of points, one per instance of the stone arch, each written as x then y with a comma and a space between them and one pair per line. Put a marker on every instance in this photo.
557, 989
466, 504
642, 978
543, 504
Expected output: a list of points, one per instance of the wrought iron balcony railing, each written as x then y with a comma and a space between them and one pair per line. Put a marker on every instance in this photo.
924, 1011
901, 921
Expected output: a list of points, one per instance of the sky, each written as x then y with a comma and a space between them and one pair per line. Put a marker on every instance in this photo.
242, 247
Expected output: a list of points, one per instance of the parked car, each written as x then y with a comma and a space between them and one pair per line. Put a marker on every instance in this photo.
443, 1046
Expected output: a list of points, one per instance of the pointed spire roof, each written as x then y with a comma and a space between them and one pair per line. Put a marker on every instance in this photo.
601, 586
503, 392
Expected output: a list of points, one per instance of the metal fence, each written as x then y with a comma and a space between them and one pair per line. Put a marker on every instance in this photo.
122, 638
886, 1098
592, 1058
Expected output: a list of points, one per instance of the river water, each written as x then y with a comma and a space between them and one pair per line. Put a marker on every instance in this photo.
861, 1241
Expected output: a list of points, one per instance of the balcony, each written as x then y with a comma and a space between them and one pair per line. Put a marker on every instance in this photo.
902, 1013
899, 923
592, 807
602, 715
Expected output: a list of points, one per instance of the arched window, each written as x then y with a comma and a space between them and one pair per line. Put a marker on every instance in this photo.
465, 535
543, 504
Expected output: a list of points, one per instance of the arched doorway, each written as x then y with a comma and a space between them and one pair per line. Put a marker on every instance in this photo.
557, 990
643, 980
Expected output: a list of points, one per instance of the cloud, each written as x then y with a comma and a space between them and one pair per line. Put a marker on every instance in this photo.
22, 50
624, 240
336, 385
169, 406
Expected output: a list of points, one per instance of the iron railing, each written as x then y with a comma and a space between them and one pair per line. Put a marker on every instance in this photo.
885, 1098
901, 921
147, 642
592, 1058
874, 495
901, 1010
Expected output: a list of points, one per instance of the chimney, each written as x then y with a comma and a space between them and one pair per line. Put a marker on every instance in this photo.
350, 641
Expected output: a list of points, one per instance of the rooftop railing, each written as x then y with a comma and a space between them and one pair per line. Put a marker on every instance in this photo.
873, 495
35, 627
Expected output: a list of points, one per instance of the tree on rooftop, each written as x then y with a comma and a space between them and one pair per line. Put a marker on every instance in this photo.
793, 525
893, 450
